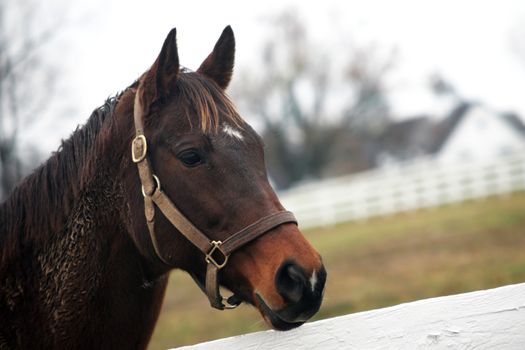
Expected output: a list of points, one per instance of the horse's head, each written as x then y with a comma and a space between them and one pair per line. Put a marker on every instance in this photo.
210, 163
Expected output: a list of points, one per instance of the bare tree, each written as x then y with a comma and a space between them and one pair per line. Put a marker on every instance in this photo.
315, 103
26, 82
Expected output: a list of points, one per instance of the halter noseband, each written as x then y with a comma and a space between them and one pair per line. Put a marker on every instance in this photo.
153, 196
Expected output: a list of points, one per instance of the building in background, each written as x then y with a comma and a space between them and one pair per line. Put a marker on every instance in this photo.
471, 132
478, 133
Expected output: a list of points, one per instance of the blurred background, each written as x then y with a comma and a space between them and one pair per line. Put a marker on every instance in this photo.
394, 130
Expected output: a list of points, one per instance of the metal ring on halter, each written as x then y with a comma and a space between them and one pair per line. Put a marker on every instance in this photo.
158, 185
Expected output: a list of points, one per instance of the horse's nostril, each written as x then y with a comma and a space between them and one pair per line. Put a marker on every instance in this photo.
291, 281
296, 273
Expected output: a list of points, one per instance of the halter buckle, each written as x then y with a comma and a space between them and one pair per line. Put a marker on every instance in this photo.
139, 141
216, 245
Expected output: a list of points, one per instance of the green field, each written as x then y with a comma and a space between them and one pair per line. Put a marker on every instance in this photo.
377, 263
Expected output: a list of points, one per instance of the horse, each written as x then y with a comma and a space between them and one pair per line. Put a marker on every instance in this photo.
88, 239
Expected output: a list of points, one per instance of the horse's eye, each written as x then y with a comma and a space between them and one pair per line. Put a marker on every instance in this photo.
190, 158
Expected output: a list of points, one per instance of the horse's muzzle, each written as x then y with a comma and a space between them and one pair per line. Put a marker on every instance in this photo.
302, 293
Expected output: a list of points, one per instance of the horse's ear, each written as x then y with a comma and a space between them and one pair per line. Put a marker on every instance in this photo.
219, 64
161, 78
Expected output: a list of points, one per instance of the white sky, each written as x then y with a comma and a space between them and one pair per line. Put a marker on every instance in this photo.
108, 43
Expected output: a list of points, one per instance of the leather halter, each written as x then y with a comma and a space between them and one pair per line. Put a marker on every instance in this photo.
216, 253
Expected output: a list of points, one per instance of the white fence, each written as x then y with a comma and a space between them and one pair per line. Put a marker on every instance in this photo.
483, 320
421, 184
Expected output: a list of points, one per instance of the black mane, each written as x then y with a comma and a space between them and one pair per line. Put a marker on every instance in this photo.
41, 201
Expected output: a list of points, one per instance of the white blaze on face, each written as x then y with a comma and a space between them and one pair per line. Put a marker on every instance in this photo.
232, 132
313, 281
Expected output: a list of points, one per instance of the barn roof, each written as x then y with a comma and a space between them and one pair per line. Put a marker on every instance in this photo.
423, 135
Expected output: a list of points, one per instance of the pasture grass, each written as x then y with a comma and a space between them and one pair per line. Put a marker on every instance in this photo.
377, 263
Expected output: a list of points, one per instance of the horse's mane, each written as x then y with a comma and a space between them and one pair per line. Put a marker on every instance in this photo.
41, 201
39, 204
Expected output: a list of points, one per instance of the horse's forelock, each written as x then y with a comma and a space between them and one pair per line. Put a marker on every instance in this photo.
208, 101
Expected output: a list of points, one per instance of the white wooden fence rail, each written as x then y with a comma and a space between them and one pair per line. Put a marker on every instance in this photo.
484, 320
419, 184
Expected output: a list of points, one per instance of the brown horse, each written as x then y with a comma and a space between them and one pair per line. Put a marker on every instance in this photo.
85, 256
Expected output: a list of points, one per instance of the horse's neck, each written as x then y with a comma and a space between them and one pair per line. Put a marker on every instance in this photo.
87, 225
89, 270
77, 252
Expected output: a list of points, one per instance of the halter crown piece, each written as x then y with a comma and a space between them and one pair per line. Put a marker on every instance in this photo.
216, 253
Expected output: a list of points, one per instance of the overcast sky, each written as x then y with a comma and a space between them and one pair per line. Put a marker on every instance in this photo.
106, 44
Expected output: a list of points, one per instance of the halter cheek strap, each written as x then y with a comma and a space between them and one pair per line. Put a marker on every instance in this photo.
216, 253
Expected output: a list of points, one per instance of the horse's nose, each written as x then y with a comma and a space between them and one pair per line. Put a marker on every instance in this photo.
291, 282
296, 286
